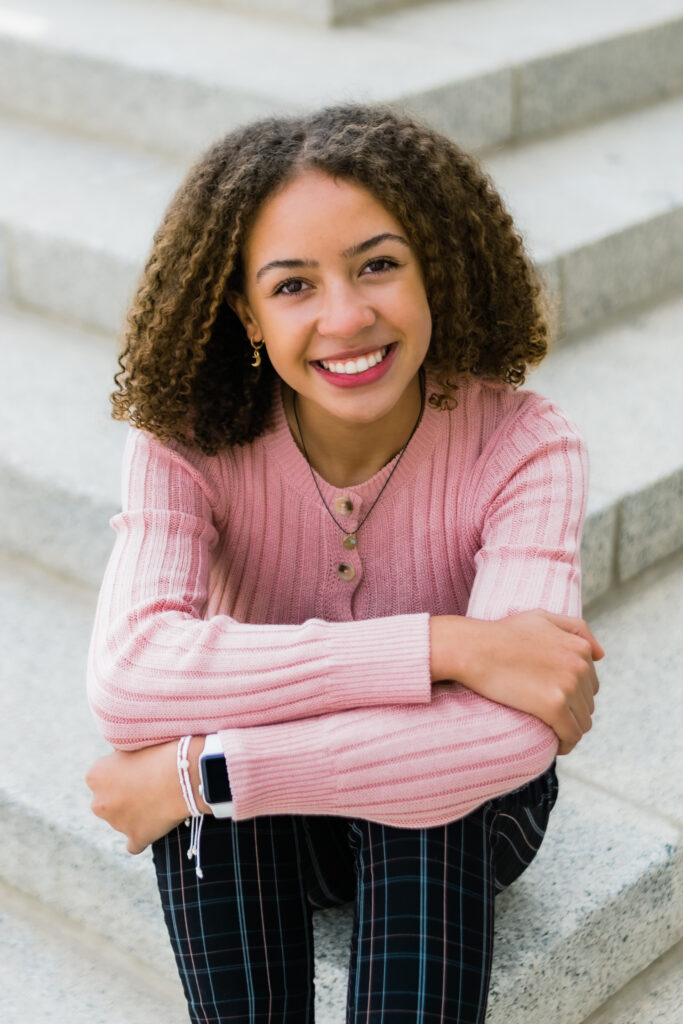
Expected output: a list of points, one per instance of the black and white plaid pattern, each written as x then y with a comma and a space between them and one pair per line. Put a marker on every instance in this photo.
423, 932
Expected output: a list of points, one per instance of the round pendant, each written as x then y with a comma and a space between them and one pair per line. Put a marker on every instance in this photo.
350, 542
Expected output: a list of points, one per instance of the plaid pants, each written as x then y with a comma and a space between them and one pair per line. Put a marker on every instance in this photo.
423, 931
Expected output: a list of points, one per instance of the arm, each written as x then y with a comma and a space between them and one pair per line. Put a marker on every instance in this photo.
158, 668
427, 765
534, 502
535, 662
521, 670
412, 767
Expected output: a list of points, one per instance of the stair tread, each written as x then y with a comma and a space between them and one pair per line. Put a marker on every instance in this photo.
190, 41
634, 749
654, 997
505, 31
621, 388
573, 190
54, 975
565, 192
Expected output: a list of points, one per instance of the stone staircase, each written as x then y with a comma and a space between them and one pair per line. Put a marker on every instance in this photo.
577, 110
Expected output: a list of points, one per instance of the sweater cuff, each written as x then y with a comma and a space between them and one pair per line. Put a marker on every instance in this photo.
274, 769
380, 661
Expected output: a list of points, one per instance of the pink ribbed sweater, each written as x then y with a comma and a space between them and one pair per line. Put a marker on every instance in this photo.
223, 609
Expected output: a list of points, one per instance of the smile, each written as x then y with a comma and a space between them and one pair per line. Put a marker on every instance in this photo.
359, 365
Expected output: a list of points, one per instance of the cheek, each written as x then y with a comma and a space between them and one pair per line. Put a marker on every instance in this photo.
420, 317
285, 321
426, 319
287, 356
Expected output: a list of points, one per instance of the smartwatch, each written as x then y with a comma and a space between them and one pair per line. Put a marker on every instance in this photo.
214, 786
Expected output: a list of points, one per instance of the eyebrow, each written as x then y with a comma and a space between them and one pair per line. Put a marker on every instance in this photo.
353, 250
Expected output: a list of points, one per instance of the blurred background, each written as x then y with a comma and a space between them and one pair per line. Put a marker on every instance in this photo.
576, 109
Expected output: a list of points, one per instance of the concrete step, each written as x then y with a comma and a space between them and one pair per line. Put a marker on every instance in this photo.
602, 212
621, 388
634, 752
61, 452
599, 904
60, 479
73, 241
314, 12
57, 972
603, 219
654, 997
174, 76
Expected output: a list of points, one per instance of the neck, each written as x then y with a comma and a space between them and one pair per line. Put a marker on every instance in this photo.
346, 454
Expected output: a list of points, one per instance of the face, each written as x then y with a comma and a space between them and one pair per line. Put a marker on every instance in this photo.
336, 292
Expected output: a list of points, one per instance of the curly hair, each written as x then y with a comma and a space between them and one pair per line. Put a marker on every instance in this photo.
185, 370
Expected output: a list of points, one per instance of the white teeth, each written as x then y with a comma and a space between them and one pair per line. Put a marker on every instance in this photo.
359, 365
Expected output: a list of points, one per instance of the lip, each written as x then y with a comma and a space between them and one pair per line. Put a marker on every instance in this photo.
356, 380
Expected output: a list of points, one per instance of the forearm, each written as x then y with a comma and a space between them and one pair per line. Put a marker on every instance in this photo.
167, 658
175, 674
417, 767
536, 662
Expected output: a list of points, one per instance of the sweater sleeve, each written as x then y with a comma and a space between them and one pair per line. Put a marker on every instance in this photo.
426, 766
532, 497
158, 669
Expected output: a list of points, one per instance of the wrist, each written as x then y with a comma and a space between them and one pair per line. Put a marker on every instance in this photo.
438, 648
454, 642
180, 803
161, 779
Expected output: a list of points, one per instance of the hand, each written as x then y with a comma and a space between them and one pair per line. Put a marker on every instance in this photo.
138, 792
536, 662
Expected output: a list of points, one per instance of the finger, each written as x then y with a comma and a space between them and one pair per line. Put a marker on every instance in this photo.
588, 689
580, 628
565, 748
590, 685
585, 695
568, 728
597, 650
582, 716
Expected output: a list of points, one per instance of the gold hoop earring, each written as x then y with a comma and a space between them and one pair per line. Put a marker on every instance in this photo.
256, 345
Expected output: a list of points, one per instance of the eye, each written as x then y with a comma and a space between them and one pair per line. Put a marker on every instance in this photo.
380, 265
292, 286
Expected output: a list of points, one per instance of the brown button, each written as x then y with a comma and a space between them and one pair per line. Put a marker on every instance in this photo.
345, 571
344, 506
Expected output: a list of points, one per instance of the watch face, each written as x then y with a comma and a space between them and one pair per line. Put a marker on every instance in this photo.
215, 779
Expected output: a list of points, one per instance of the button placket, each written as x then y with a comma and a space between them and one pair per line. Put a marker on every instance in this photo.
346, 508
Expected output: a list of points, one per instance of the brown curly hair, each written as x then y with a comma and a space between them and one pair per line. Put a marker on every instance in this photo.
185, 371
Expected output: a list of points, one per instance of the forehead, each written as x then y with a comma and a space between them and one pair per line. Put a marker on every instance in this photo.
315, 210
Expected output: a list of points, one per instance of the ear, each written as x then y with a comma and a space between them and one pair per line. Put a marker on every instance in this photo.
238, 303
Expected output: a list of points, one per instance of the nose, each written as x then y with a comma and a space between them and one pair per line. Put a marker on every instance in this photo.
345, 311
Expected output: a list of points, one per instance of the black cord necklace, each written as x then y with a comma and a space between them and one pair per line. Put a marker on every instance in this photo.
350, 541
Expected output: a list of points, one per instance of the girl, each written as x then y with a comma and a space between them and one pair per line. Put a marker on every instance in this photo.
340, 521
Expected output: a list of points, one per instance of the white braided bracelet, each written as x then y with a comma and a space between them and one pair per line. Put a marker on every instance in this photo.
194, 813
184, 777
